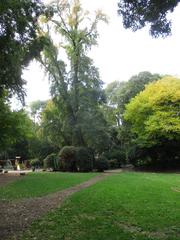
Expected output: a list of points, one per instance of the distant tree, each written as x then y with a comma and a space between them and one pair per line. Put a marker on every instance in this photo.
16, 132
36, 109
120, 93
112, 90
19, 41
137, 14
135, 85
154, 115
110, 109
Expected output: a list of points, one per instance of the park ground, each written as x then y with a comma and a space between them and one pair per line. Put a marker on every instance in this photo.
91, 206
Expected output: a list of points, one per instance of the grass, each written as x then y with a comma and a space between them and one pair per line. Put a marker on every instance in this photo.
137, 206
39, 184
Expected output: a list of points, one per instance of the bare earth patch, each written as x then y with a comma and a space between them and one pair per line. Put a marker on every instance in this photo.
16, 216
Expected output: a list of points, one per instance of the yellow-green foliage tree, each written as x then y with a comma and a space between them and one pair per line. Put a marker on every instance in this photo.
154, 114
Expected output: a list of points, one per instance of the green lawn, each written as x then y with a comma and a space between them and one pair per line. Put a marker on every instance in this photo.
128, 206
39, 184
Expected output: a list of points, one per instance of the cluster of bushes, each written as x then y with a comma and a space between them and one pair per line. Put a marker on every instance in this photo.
164, 156
71, 159
79, 159
83, 160
76, 159
115, 157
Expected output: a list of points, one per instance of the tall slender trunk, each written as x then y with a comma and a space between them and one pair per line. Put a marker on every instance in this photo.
78, 139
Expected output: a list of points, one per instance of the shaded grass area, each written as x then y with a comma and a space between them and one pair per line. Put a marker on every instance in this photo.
138, 206
39, 184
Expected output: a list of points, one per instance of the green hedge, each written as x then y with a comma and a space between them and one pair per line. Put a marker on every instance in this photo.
84, 159
75, 159
51, 161
68, 158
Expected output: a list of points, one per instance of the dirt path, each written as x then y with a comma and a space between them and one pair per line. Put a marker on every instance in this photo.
8, 178
16, 216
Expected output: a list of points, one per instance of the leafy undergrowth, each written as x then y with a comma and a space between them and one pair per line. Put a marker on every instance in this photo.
39, 184
139, 206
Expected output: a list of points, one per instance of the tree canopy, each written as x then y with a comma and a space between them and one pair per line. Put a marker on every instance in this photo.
19, 41
138, 14
75, 83
120, 93
154, 113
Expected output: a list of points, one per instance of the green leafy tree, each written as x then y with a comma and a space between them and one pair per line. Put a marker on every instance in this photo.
7, 121
19, 41
154, 116
76, 87
36, 109
137, 14
118, 95
111, 109
16, 134
54, 128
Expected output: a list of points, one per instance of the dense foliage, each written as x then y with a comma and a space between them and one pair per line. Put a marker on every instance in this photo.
76, 87
76, 159
154, 113
84, 159
68, 158
19, 41
118, 95
154, 117
137, 14
15, 133
101, 164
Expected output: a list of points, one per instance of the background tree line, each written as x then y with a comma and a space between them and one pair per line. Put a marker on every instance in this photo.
86, 125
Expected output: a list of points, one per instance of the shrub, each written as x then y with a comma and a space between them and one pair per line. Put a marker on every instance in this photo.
84, 159
51, 161
118, 154
113, 164
68, 158
101, 164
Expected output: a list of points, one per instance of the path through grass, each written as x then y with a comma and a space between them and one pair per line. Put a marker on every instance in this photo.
137, 206
39, 184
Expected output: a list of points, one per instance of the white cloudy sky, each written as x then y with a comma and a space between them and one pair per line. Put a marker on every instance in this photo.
120, 53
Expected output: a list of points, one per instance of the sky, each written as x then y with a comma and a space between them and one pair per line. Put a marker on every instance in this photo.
120, 53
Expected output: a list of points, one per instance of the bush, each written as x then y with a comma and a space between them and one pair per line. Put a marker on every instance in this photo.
118, 154
113, 164
68, 158
51, 161
84, 159
101, 164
